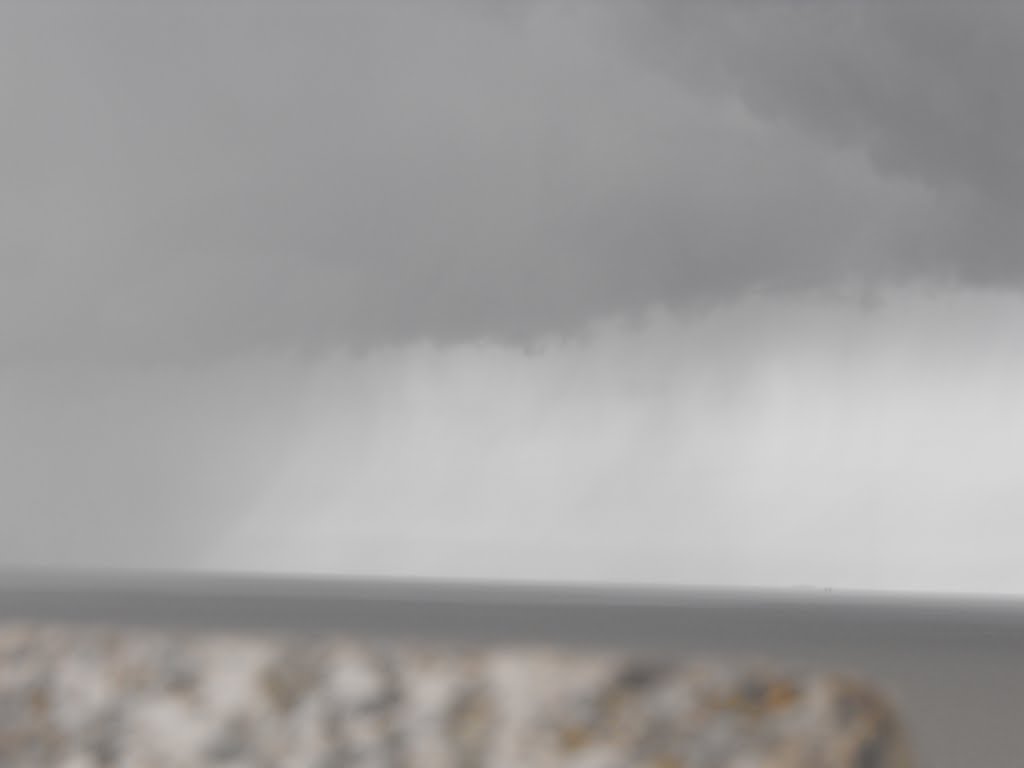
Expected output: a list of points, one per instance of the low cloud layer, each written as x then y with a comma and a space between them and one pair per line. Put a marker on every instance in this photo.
815, 442
825, 442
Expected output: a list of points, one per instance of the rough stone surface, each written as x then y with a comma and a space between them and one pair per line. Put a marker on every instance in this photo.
85, 697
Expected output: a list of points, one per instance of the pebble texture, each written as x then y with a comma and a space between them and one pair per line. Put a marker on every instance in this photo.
91, 697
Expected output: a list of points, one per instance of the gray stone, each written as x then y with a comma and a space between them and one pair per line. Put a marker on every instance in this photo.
118, 697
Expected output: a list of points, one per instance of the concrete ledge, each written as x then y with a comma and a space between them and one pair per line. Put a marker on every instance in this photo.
85, 696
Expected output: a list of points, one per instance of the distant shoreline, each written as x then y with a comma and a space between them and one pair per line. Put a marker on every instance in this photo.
612, 614
91, 578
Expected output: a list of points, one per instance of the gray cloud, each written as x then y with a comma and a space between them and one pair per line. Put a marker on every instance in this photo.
363, 288
930, 92
185, 182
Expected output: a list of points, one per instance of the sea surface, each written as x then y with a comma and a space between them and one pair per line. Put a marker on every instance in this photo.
953, 665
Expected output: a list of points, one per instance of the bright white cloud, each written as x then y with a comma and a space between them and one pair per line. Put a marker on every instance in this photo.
770, 443
824, 441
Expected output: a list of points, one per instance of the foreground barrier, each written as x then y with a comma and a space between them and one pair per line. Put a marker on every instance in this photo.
85, 696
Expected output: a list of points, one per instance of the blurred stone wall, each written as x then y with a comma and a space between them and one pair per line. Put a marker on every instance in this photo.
78, 696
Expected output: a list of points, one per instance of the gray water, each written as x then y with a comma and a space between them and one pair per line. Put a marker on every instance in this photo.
953, 665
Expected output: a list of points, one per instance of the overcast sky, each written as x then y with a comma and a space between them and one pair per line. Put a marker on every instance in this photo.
700, 293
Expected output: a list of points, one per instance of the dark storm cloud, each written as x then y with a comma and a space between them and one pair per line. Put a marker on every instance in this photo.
931, 92
187, 181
